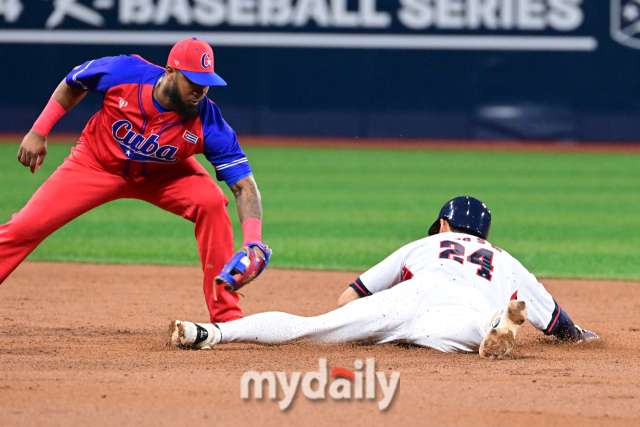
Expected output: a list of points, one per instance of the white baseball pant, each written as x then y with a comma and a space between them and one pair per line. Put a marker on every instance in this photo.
427, 310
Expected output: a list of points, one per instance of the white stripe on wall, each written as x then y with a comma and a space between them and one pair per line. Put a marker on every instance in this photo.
306, 40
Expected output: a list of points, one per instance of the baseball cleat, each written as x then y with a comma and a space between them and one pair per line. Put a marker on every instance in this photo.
585, 336
501, 339
201, 336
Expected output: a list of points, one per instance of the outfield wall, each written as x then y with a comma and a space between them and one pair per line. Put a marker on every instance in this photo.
452, 69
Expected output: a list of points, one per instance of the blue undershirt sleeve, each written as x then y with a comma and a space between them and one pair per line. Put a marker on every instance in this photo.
561, 325
360, 288
233, 180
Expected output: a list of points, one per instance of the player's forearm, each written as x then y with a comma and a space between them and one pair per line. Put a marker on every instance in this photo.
247, 199
348, 296
62, 100
249, 208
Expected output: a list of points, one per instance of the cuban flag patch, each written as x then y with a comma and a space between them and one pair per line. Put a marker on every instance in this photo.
190, 137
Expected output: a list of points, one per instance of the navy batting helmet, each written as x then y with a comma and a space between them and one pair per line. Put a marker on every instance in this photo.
467, 213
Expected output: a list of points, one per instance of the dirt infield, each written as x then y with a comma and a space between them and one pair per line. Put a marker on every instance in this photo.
86, 345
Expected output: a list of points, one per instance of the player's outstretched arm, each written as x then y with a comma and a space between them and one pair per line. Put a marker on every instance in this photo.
348, 296
252, 259
384, 275
545, 314
33, 148
249, 209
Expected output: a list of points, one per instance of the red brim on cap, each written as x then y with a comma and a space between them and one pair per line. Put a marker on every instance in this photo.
204, 79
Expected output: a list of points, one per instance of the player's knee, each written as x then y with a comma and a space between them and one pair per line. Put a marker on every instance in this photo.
206, 205
212, 203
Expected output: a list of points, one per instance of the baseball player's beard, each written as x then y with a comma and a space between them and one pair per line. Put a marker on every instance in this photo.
179, 106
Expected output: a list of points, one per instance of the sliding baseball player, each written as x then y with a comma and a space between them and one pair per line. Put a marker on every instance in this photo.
452, 291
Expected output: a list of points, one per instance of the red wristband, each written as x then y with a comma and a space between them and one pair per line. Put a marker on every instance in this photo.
49, 116
252, 230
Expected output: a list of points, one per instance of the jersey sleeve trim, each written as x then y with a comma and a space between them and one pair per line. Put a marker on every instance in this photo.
231, 181
234, 173
562, 326
360, 288
553, 324
228, 165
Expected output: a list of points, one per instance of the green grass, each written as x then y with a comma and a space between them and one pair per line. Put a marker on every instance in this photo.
561, 215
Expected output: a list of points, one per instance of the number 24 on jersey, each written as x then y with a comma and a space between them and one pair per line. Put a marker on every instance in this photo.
482, 257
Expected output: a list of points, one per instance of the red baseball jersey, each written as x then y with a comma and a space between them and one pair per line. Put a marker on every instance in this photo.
133, 134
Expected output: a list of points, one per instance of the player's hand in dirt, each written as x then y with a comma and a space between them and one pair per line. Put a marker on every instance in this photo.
32, 150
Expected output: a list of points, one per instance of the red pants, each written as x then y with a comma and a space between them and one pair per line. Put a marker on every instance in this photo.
81, 183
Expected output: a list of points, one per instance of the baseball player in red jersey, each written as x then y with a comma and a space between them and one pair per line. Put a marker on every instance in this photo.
452, 291
140, 145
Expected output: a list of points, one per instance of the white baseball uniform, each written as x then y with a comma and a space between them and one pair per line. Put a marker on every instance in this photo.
443, 292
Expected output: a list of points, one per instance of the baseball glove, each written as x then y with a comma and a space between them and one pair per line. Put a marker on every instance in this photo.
244, 266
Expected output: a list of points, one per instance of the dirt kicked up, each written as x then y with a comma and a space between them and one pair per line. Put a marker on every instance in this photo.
87, 345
